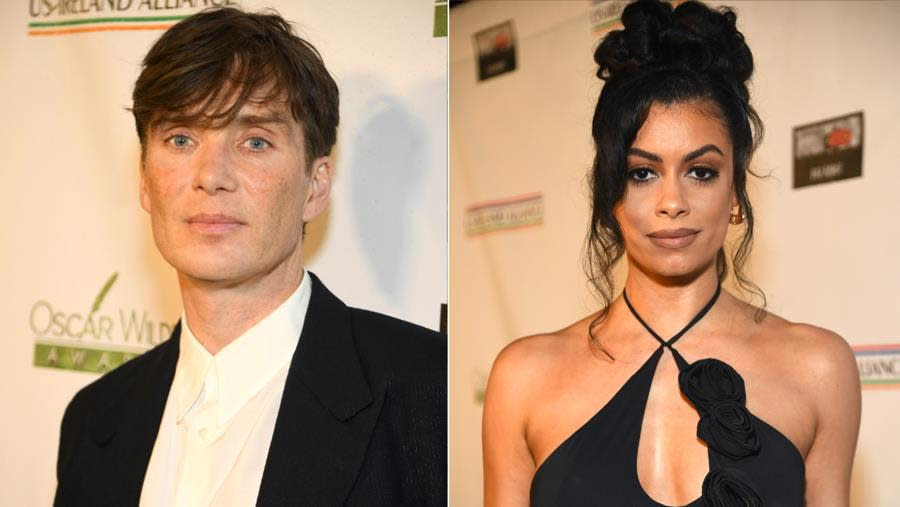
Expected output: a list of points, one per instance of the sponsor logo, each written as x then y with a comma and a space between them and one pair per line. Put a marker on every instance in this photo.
515, 212
496, 47
828, 150
879, 365
440, 19
95, 341
64, 17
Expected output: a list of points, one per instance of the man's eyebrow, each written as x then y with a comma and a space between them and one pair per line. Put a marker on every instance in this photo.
164, 123
249, 120
242, 120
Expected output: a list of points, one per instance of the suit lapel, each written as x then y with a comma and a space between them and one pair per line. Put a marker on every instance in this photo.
126, 429
327, 413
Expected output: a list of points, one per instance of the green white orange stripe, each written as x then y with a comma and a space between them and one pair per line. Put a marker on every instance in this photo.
103, 24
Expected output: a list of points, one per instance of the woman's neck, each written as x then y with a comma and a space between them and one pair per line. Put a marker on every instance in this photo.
667, 307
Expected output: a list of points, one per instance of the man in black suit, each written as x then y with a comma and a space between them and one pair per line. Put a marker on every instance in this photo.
270, 390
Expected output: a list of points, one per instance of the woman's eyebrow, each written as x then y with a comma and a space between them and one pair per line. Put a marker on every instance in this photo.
700, 151
690, 156
644, 154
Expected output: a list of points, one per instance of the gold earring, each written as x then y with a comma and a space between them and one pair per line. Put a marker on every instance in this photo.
736, 218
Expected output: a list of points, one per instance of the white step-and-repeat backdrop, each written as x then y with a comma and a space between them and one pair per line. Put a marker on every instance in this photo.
84, 285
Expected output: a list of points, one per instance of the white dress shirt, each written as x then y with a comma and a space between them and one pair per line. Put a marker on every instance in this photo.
220, 415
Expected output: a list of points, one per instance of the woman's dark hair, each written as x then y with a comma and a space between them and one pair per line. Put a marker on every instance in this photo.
667, 56
207, 66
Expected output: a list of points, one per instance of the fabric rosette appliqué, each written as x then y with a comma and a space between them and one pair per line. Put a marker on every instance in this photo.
728, 487
717, 391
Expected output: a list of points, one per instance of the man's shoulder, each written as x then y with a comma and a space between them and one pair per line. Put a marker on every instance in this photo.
116, 382
398, 348
93, 401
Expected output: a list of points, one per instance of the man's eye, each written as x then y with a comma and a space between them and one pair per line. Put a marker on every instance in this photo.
180, 141
257, 143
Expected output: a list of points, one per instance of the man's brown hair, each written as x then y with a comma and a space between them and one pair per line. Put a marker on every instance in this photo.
206, 67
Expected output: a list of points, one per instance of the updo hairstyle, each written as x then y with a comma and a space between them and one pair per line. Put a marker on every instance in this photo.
667, 56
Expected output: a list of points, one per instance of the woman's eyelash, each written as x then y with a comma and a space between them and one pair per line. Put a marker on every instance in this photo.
640, 175
701, 174
704, 174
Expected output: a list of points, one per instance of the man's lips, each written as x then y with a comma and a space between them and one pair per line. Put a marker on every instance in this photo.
673, 238
213, 222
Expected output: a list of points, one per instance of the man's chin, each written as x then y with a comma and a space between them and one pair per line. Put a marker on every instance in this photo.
212, 274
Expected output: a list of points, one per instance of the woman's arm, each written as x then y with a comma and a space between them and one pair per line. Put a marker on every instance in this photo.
833, 382
508, 465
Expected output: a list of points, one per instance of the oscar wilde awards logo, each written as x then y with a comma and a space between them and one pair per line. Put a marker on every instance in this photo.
64, 17
93, 341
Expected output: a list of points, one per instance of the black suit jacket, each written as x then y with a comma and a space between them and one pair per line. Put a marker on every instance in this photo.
363, 418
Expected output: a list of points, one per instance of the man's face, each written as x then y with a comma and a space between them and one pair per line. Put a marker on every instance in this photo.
227, 204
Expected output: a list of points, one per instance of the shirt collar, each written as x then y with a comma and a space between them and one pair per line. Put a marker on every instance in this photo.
244, 366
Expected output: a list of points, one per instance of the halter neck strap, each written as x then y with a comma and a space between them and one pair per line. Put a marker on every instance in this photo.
678, 335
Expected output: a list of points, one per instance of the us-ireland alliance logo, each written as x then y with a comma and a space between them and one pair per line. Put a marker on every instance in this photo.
97, 340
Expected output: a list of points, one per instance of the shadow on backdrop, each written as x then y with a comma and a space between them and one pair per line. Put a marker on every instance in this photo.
385, 170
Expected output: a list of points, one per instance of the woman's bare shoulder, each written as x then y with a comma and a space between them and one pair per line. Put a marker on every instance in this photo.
524, 364
540, 351
822, 366
825, 355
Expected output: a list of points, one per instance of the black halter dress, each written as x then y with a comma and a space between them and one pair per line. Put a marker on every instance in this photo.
750, 462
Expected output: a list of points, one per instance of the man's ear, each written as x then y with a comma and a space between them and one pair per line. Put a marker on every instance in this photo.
145, 192
319, 188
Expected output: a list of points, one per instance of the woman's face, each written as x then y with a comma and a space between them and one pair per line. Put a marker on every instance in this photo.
679, 192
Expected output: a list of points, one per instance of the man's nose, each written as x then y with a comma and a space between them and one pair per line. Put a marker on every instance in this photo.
214, 168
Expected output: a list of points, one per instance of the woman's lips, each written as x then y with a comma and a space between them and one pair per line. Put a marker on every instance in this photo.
673, 238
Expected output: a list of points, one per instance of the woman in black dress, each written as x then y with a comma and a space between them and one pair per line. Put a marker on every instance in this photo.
676, 392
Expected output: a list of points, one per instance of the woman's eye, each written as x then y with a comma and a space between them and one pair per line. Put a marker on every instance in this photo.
704, 173
641, 174
257, 143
